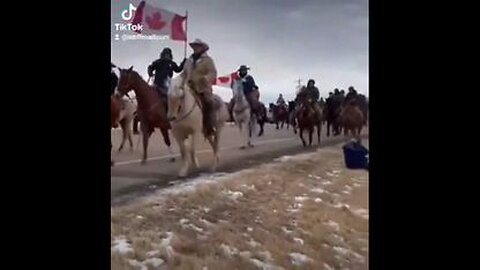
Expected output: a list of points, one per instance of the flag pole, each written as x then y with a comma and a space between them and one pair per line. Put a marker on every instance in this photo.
186, 35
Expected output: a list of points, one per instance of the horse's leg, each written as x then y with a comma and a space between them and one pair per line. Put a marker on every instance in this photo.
193, 144
213, 141
301, 136
261, 123
183, 152
146, 133
128, 125
319, 131
310, 135
216, 145
124, 134
252, 124
328, 128
111, 160
166, 140
138, 140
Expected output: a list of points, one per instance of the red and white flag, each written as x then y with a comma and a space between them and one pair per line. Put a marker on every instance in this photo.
227, 80
159, 21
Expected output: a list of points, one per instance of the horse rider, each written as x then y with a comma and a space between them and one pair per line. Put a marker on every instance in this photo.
309, 93
281, 101
250, 89
200, 73
352, 95
114, 79
164, 68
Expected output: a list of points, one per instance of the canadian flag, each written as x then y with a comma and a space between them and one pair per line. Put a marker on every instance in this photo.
159, 21
227, 80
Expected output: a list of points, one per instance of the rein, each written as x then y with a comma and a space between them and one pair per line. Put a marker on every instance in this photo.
190, 111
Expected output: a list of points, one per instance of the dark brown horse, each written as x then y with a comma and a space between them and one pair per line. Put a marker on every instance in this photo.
151, 108
280, 115
331, 113
307, 120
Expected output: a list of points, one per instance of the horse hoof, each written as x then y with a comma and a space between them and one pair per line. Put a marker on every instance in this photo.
172, 160
243, 147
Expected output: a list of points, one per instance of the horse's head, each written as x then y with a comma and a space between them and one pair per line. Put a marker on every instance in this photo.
238, 94
306, 108
125, 82
176, 93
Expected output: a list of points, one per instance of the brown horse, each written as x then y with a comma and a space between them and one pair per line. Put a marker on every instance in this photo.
115, 107
352, 120
151, 108
308, 119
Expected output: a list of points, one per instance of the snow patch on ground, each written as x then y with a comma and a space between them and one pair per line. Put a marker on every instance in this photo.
166, 244
299, 259
120, 245
253, 243
318, 190
333, 225
363, 213
298, 240
228, 250
233, 195
301, 198
349, 254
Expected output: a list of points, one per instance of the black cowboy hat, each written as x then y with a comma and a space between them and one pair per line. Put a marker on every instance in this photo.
243, 67
311, 81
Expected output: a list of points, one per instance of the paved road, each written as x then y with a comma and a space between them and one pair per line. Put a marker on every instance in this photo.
129, 178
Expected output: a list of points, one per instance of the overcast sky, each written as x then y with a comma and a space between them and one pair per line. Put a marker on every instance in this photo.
281, 40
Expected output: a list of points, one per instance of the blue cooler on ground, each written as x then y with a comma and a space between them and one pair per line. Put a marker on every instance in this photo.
356, 155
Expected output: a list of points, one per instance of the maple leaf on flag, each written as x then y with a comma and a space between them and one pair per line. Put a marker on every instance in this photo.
156, 22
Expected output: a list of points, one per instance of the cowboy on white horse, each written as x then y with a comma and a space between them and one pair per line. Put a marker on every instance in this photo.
200, 73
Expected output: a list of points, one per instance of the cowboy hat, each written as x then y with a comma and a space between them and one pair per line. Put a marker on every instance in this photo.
198, 41
243, 67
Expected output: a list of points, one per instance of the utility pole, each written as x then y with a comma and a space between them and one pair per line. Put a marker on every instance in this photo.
299, 83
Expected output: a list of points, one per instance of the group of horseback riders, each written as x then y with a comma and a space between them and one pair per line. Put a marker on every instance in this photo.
200, 74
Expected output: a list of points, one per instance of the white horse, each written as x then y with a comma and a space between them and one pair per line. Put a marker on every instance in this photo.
242, 115
186, 120
126, 119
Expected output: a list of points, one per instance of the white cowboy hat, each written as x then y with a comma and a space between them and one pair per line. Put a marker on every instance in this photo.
198, 41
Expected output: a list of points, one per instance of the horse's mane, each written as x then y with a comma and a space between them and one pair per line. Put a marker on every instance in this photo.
174, 84
237, 86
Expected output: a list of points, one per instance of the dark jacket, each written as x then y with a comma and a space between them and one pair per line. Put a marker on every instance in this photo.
164, 69
114, 82
308, 93
248, 84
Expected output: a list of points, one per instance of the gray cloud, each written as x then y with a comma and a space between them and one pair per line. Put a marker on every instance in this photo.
281, 40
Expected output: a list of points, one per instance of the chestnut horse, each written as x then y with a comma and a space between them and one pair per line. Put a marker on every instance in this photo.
151, 109
307, 119
352, 119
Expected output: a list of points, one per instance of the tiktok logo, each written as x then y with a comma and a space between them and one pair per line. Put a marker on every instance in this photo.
127, 14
